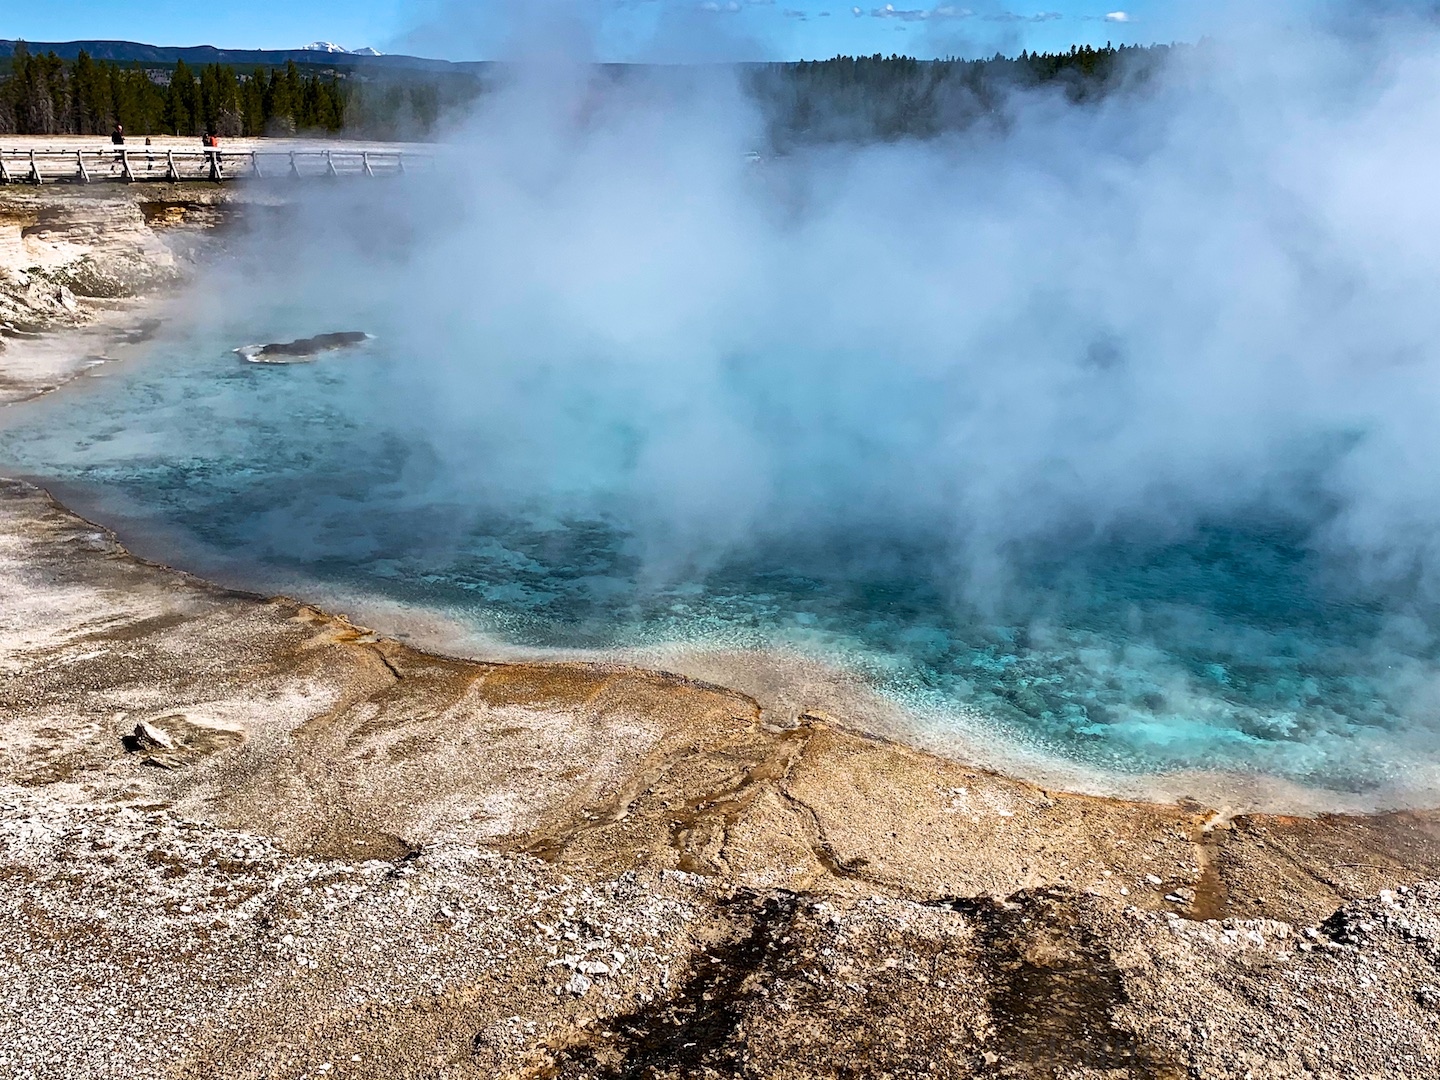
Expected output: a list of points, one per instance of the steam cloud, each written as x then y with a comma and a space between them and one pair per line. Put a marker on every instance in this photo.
1209, 298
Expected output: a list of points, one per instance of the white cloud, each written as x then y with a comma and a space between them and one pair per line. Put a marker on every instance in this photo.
950, 11
944, 11
730, 7
1117, 16
1012, 17
889, 11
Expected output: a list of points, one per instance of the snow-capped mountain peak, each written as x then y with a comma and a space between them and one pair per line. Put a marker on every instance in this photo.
331, 47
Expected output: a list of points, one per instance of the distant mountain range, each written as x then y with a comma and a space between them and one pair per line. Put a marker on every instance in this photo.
319, 52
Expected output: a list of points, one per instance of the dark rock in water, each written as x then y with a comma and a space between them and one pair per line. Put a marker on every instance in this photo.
293, 352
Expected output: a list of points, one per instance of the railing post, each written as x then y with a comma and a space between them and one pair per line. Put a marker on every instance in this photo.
34, 170
255, 164
365, 159
171, 172
330, 165
215, 173
400, 162
81, 174
294, 169
125, 173
4, 172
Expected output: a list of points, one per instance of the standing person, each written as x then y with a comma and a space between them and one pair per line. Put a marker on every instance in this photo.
212, 144
118, 138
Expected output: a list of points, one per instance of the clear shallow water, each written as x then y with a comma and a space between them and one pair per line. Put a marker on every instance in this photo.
1222, 649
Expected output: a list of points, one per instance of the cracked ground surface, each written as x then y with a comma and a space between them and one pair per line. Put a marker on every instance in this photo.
333, 855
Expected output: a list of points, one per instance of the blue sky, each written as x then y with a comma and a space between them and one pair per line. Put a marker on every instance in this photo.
616, 29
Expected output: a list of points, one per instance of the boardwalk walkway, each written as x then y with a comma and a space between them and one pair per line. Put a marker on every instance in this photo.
130, 164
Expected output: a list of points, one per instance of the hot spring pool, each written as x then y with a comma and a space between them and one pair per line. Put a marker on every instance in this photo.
1222, 648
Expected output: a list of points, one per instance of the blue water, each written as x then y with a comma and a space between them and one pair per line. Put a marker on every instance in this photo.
1224, 647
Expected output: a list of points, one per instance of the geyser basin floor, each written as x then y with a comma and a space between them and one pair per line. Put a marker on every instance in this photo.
1221, 650
349, 820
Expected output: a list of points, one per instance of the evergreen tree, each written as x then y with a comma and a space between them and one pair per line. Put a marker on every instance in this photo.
846, 97
181, 102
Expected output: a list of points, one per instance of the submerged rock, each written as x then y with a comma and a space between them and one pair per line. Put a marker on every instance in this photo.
304, 349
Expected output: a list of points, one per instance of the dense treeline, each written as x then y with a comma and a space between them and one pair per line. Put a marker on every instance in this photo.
43, 95
867, 97
879, 97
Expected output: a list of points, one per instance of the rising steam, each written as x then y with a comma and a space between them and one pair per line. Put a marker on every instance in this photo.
1211, 296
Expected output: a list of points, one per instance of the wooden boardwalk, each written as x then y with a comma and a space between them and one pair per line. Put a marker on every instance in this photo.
135, 164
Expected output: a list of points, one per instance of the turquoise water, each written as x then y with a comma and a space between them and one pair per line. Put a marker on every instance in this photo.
1226, 645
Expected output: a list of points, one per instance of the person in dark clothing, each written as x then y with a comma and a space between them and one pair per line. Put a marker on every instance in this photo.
118, 136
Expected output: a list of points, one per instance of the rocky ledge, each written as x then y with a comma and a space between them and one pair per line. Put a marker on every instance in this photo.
243, 837
85, 262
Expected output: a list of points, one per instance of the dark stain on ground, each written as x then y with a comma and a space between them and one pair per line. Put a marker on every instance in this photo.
1212, 895
694, 1032
1053, 991
141, 628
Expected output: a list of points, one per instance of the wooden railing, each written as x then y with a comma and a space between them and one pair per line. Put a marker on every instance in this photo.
137, 163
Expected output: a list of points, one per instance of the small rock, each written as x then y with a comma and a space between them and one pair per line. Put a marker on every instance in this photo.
152, 738
593, 967
578, 984
1151, 879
